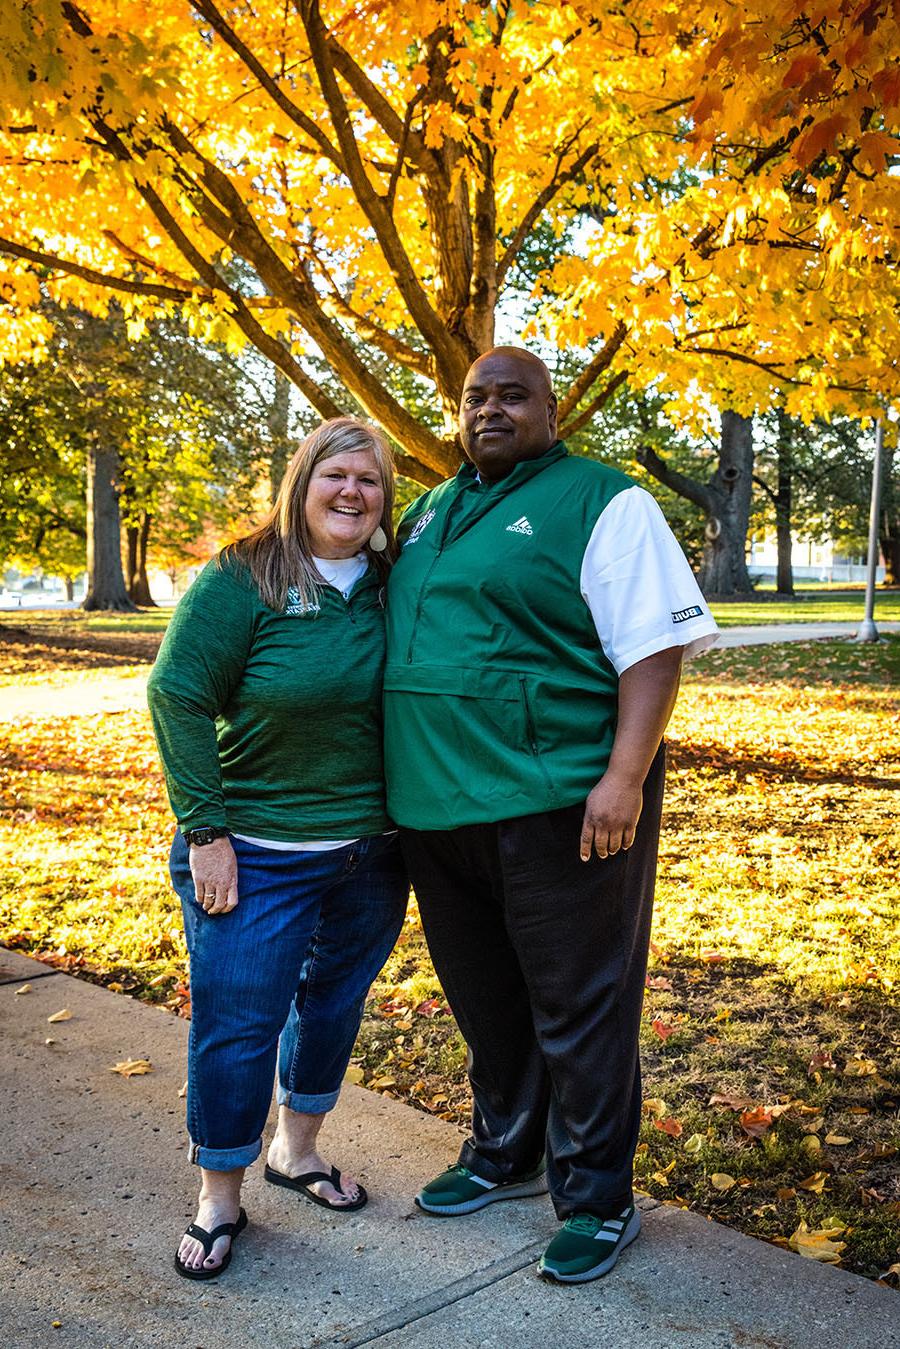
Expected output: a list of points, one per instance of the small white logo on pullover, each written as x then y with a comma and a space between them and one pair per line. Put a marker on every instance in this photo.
520, 527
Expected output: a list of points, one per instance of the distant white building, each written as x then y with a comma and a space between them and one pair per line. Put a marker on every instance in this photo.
810, 562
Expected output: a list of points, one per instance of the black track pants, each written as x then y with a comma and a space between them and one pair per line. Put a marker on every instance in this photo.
543, 960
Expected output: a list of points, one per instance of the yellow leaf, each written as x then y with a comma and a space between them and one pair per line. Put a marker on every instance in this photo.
818, 1244
26, 988
814, 1183
355, 1074
837, 1140
811, 1143
380, 1083
64, 1015
654, 1106
132, 1067
694, 1144
403, 1025
860, 1067
719, 1180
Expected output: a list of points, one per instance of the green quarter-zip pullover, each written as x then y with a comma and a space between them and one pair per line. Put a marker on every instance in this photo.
499, 699
270, 723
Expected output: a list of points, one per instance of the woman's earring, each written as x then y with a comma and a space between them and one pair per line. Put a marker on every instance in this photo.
378, 541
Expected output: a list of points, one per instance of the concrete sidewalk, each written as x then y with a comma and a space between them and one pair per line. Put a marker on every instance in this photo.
772, 633
96, 1189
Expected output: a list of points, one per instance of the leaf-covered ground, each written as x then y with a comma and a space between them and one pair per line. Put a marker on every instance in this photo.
771, 1030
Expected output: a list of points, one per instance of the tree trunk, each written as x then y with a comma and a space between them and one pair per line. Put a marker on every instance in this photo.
138, 584
278, 419
724, 567
784, 583
889, 521
69, 583
106, 584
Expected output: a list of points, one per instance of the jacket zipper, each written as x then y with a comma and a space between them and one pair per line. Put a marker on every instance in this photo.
427, 577
531, 734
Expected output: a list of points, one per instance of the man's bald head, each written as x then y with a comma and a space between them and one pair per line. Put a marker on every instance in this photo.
507, 412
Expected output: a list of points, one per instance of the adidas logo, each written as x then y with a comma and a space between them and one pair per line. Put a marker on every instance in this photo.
520, 527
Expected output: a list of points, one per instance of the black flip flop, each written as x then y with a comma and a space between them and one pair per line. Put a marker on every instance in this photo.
302, 1183
207, 1239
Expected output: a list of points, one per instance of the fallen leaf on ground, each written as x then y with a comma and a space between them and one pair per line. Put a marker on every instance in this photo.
818, 1243
732, 1102
811, 1143
183, 1092
814, 1183
355, 1074
429, 1007
669, 1126
659, 981
694, 1144
662, 1029
784, 1193
381, 1083
860, 1067
719, 1180
756, 1122
654, 1106
837, 1140
132, 1067
26, 988
821, 1059
64, 1015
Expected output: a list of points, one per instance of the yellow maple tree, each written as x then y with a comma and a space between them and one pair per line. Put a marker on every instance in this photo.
713, 188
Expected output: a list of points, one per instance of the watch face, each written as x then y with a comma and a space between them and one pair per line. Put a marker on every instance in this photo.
200, 836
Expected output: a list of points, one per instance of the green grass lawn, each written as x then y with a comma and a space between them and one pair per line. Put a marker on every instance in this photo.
809, 606
815, 605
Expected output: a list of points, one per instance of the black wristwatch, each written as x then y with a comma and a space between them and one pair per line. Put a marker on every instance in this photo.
199, 837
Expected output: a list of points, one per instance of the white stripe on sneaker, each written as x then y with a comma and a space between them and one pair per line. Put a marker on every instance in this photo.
488, 1184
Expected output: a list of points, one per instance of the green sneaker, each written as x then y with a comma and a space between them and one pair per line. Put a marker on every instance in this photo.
588, 1246
458, 1190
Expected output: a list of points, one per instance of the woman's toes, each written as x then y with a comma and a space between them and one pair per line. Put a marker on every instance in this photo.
348, 1194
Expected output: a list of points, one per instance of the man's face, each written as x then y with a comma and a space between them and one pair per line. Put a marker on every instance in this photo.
507, 413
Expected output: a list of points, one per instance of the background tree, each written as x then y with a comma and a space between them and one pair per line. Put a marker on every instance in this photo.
161, 433
378, 170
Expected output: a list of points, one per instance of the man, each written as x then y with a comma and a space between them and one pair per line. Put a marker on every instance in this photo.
537, 619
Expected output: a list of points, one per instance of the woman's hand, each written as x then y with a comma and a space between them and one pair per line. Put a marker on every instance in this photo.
214, 869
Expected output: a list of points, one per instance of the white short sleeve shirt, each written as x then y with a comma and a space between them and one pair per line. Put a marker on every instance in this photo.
638, 585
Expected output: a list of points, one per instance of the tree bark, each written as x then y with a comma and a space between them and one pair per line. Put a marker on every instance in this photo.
278, 420
726, 500
723, 570
106, 584
69, 583
138, 585
889, 522
784, 583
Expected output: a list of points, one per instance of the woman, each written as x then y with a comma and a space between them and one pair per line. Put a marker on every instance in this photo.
266, 703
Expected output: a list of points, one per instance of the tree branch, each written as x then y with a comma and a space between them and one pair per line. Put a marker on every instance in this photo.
576, 423
57, 264
539, 205
219, 25
689, 488
425, 317
592, 371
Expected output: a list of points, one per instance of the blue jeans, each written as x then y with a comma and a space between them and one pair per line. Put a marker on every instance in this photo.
295, 959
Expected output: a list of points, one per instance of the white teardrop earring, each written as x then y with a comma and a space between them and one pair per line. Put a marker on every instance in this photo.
378, 541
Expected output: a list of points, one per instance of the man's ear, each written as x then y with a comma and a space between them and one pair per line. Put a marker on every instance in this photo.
552, 414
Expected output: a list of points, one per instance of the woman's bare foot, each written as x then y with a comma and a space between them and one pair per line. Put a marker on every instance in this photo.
220, 1202
292, 1153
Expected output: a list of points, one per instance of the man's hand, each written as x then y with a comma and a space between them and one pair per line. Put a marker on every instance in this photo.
611, 814
214, 869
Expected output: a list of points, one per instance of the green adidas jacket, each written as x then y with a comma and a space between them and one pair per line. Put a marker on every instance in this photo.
499, 700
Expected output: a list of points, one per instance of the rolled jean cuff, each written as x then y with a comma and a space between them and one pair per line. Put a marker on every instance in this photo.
224, 1159
307, 1105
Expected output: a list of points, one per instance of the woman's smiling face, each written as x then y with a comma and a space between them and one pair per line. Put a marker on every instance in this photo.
344, 502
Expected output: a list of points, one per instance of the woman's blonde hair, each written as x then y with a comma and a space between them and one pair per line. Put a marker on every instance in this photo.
279, 553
